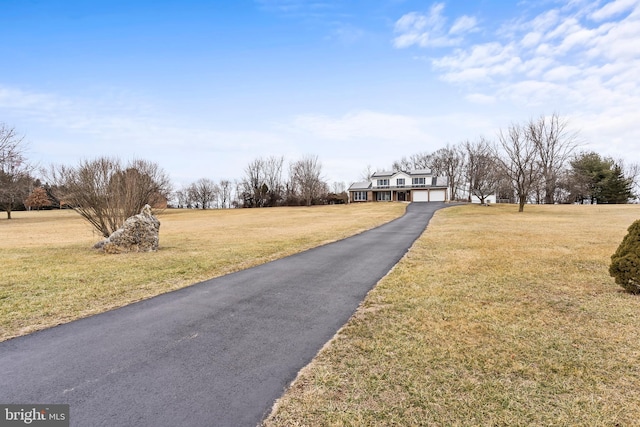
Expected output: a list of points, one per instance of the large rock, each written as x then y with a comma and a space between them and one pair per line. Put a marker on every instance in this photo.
139, 233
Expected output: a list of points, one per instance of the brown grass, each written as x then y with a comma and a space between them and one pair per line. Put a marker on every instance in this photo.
493, 318
50, 274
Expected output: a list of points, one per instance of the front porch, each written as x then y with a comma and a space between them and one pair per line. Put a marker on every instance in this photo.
391, 196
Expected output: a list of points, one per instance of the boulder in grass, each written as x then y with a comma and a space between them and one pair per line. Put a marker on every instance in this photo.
139, 233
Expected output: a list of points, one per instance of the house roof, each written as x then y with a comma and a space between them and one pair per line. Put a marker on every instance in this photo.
411, 172
420, 172
383, 173
365, 185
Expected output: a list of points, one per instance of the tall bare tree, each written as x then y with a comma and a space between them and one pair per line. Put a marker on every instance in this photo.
307, 176
105, 192
449, 162
254, 189
554, 143
15, 170
518, 159
482, 171
273, 179
225, 193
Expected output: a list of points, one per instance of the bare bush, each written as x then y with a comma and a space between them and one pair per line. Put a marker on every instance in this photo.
106, 192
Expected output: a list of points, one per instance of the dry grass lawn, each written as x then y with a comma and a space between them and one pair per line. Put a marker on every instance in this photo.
494, 318
50, 274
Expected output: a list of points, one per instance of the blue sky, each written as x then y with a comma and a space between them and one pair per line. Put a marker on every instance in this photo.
204, 87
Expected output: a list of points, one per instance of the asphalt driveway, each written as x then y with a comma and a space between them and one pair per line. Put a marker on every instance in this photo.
218, 353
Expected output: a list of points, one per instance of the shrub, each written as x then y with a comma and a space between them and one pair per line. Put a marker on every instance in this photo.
106, 192
625, 262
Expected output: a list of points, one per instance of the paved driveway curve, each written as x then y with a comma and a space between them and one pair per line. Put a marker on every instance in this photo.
218, 353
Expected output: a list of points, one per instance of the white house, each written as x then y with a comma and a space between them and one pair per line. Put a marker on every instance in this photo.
401, 186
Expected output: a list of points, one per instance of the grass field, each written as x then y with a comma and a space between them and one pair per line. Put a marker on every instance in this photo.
494, 318
50, 274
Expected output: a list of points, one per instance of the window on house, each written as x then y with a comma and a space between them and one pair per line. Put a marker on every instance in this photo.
383, 182
400, 182
359, 196
418, 181
383, 196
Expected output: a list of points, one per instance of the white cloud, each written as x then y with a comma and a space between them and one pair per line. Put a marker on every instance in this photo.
527, 62
613, 8
561, 73
580, 59
429, 30
463, 24
546, 21
35, 103
481, 62
531, 39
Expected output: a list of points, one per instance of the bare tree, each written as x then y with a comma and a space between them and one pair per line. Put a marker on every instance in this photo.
338, 187
420, 161
253, 187
368, 172
238, 200
403, 164
554, 144
182, 198
632, 172
306, 174
449, 162
518, 159
481, 169
106, 193
225, 193
203, 192
272, 171
15, 170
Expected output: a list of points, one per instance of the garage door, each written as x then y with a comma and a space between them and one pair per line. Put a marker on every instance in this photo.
420, 196
438, 195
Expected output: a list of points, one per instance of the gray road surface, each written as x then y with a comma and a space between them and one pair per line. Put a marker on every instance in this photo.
218, 353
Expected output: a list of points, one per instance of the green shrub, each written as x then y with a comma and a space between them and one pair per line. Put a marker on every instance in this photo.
625, 262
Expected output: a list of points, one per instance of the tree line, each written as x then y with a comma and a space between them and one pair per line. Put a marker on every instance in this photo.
537, 161
267, 182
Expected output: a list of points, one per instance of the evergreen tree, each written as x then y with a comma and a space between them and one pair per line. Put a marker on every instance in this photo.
598, 180
616, 188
